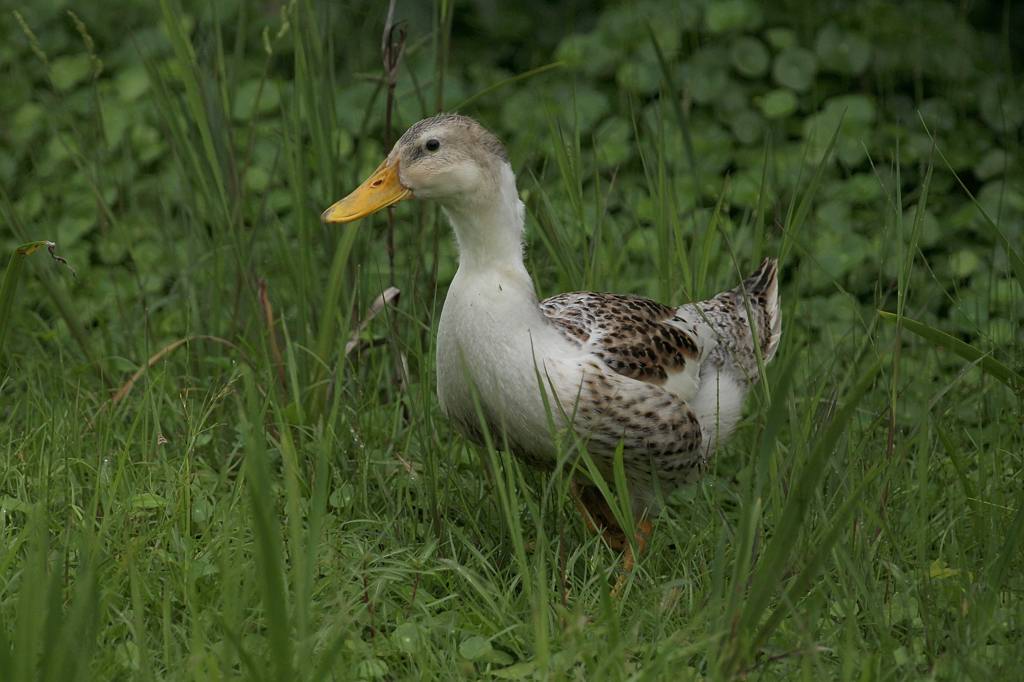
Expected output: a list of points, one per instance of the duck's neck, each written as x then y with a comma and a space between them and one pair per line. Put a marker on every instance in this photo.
489, 229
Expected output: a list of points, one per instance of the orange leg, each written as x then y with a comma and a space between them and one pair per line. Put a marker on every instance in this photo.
600, 519
644, 529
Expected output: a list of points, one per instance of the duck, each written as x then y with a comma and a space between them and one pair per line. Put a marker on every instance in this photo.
662, 386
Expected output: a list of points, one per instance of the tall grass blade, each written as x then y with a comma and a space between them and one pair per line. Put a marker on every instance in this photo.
32, 597
195, 101
6, 653
9, 289
1009, 551
331, 313
797, 213
757, 480
941, 339
525, 75
71, 650
12, 278
59, 298
822, 548
269, 551
682, 120
769, 571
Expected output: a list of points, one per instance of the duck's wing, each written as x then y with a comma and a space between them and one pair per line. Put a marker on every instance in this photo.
665, 383
631, 336
638, 367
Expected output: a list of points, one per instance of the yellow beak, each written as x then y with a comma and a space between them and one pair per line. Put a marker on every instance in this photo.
380, 190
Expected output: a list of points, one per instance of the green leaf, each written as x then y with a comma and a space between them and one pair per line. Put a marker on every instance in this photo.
1016, 260
1001, 104
117, 117
372, 668
795, 68
28, 121
638, 76
938, 113
505, 82
342, 496
588, 54
853, 108
407, 638
859, 188
131, 83
746, 126
517, 671
67, 72
1005, 294
257, 179
591, 106
246, 105
733, 15
938, 570
780, 38
964, 263
778, 103
147, 142
994, 163
530, 109
475, 648
838, 252
613, 142
705, 74
13, 504
749, 57
931, 231
842, 52
853, 116
144, 501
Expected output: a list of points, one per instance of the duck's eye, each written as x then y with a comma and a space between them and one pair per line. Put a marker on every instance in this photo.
432, 145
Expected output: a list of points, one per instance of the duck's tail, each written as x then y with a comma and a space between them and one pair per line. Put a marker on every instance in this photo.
762, 291
729, 364
721, 323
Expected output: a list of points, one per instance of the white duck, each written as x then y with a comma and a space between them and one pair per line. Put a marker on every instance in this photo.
667, 383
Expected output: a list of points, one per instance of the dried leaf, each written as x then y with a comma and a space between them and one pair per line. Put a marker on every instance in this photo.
388, 297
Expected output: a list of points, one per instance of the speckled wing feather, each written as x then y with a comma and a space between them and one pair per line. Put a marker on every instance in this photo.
640, 364
633, 336
652, 377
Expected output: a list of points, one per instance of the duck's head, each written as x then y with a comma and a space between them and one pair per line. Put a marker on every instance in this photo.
448, 157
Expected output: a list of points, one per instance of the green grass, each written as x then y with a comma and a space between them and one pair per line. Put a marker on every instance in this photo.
199, 481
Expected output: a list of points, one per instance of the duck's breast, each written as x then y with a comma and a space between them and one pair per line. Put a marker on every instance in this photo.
492, 346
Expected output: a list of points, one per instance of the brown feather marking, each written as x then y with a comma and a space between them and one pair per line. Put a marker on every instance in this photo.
659, 433
632, 335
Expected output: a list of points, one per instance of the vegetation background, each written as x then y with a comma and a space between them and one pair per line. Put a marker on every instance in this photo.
220, 459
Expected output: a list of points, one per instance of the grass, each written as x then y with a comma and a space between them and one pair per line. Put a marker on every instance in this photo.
257, 502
